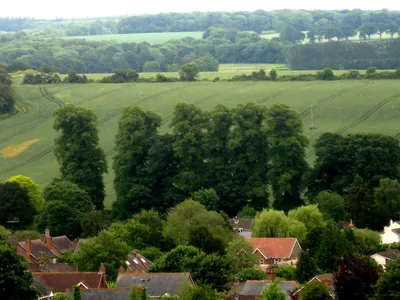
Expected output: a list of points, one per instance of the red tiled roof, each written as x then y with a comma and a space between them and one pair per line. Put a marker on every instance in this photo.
62, 243
242, 297
62, 281
273, 247
37, 248
137, 263
50, 267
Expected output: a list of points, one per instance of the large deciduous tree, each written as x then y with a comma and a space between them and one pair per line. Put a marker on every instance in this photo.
306, 267
15, 280
273, 292
34, 192
249, 154
309, 215
77, 149
288, 163
331, 205
137, 132
388, 286
315, 290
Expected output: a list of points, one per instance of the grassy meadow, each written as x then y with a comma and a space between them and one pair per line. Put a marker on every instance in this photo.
151, 38
27, 138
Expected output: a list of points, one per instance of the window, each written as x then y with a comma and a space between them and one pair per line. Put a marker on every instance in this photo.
127, 263
276, 261
261, 261
136, 262
143, 260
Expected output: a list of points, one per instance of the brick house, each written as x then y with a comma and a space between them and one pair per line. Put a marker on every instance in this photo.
273, 251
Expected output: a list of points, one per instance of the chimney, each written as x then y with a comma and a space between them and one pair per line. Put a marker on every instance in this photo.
121, 270
351, 224
28, 248
391, 222
102, 269
134, 253
236, 220
271, 275
75, 244
236, 281
48, 239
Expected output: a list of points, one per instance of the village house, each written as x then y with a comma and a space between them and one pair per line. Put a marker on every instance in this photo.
391, 233
386, 257
275, 251
137, 263
241, 227
49, 283
326, 279
253, 289
157, 284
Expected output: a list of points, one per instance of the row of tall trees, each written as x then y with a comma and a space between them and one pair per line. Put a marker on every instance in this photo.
7, 97
237, 152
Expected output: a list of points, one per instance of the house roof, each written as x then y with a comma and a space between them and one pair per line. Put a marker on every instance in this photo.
61, 281
274, 247
327, 279
62, 243
50, 267
105, 294
157, 284
256, 287
391, 254
396, 231
241, 223
137, 263
245, 234
37, 248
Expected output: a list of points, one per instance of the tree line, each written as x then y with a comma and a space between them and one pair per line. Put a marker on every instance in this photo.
7, 96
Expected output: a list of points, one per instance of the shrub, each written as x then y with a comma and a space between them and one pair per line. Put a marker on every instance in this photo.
286, 272
326, 74
251, 274
273, 75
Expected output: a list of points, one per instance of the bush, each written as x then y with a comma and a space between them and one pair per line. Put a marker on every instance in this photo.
216, 79
286, 272
273, 75
152, 253
371, 73
326, 74
121, 76
352, 74
251, 274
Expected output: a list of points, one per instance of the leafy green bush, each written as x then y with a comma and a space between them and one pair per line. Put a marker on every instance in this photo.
286, 272
251, 274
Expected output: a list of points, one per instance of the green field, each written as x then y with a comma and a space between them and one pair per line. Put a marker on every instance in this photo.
26, 139
151, 38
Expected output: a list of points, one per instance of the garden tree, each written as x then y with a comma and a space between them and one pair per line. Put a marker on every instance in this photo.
309, 215
274, 223
368, 29
137, 130
156, 224
288, 33
60, 218
135, 234
212, 270
201, 238
392, 29
151, 253
187, 125
94, 221
315, 290
387, 200
286, 272
67, 257
207, 197
331, 205
359, 200
77, 149
189, 215
15, 280
288, 163
388, 286
250, 274
77, 293
7, 98
34, 192
103, 249
335, 242
240, 254
176, 260
135, 293
23, 235
69, 193
348, 31
306, 267
273, 292
200, 293
61, 296
15, 205
249, 155
4, 233
189, 72
356, 278
367, 241
247, 212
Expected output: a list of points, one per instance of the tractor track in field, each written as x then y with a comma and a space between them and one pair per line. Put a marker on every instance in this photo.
102, 121
197, 102
364, 117
261, 101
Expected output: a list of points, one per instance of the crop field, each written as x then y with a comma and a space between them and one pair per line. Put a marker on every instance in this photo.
27, 137
151, 38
